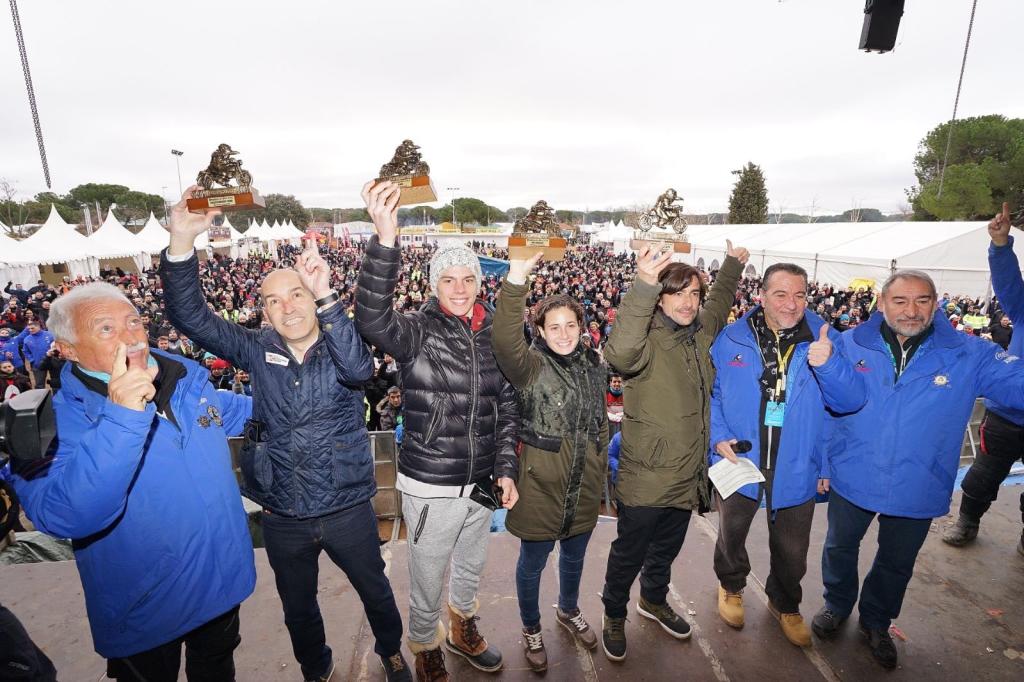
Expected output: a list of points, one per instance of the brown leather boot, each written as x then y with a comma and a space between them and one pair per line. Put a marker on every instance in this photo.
465, 640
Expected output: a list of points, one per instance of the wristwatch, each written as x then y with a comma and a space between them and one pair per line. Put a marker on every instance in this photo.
326, 300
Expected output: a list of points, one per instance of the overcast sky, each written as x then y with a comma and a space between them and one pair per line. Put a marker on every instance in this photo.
588, 104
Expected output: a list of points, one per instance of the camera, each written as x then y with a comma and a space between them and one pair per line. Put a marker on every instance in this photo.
28, 429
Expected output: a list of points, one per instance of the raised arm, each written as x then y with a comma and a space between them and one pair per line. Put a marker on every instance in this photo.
715, 311
186, 305
1002, 261
376, 318
627, 350
842, 388
510, 349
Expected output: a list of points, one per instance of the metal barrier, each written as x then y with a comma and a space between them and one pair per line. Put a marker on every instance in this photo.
971, 445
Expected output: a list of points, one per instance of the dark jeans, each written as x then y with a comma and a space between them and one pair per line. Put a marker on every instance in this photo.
533, 555
649, 538
350, 539
20, 658
1002, 444
899, 541
209, 656
789, 535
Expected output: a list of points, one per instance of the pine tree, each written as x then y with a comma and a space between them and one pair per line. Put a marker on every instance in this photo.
748, 203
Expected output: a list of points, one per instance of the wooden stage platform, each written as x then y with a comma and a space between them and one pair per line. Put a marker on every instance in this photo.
963, 618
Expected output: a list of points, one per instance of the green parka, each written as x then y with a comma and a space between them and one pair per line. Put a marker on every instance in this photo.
563, 459
667, 394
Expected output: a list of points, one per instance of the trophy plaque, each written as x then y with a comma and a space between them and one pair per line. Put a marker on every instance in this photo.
222, 170
535, 232
664, 214
408, 170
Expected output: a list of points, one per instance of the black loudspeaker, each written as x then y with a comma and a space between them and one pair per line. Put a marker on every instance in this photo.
881, 23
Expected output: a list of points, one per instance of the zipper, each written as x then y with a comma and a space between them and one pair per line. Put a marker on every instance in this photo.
420, 524
705, 399
473, 390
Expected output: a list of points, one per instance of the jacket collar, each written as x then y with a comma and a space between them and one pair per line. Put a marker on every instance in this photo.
433, 308
739, 331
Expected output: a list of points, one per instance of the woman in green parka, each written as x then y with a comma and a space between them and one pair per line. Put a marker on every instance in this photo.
563, 457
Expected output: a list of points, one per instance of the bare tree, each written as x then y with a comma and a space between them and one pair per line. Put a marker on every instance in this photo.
14, 212
813, 209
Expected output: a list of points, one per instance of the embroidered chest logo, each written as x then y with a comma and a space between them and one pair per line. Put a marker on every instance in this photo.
737, 361
862, 366
940, 380
212, 416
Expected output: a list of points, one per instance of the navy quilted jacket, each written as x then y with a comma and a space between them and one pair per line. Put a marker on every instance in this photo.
315, 458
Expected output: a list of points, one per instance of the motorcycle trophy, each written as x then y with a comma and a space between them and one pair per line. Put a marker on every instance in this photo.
663, 215
537, 231
222, 170
408, 170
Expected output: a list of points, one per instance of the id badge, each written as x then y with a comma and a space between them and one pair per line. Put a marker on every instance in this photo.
774, 414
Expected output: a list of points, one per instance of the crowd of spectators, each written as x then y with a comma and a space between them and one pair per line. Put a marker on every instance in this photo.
592, 275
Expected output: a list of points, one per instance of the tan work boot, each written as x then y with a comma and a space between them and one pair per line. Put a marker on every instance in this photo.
795, 629
465, 640
730, 607
430, 666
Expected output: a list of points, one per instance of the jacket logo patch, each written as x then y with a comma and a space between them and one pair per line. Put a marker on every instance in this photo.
204, 421
215, 415
940, 380
275, 359
1006, 357
862, 366
737, 361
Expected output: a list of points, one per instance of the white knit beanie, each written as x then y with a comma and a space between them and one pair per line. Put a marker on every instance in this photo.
451, 254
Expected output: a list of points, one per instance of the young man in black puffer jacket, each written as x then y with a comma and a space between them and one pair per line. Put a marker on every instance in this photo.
460, 425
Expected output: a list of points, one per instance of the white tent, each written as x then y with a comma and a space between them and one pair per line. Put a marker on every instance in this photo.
955, 254
153, 235
60, 250
115, 246
13, 265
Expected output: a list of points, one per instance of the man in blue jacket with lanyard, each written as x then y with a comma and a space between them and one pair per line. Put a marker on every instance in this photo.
1002, 428
141, 481
897, 457
306, 457
778, 372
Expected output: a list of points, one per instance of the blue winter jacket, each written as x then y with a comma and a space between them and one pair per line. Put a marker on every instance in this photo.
899, 454
12, 345
161, 540
315, 458
1009, 289
35, 345
736, 406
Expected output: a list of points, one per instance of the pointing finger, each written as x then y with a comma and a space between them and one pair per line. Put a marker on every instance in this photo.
728, 245
1006, 211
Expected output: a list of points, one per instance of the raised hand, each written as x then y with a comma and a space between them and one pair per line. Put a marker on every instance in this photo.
313, 271
650, 262
999, 227
520, 269
185, 226
820, 351
131, 382
739, 253
381, 199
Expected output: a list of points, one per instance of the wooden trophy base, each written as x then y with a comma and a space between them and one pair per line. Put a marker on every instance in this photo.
525, 246
660, 245
226, 199
416, 189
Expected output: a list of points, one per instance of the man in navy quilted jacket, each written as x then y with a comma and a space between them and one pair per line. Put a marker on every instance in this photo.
306, 457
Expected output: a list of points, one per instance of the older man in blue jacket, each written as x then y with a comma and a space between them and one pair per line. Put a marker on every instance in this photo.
1002, 428
141, 481
778, 373
306, 457
897, 457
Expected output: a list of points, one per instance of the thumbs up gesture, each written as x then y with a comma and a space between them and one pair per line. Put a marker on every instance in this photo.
821, 350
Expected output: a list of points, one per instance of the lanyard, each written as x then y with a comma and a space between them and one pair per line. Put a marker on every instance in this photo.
780, 379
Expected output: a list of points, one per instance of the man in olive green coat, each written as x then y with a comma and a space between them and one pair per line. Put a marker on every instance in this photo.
660, 343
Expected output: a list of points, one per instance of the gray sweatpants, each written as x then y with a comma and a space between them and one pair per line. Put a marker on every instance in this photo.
443, 531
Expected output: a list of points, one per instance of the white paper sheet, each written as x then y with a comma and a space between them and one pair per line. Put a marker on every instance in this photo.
728, 477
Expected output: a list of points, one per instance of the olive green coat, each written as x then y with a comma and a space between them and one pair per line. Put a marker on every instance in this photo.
667, 394
562, 408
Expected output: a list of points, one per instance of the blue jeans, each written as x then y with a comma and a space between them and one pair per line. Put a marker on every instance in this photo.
351, 541
899, 541
533, 556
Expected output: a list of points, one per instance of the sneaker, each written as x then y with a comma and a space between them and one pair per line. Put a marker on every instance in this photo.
883, 649
533, 643
730, 607
670, 621
826, 623
579, 628
613, 638
961, 532
430, 666
395, 668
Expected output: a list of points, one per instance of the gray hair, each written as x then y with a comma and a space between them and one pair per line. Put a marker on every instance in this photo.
61, 322
920, 275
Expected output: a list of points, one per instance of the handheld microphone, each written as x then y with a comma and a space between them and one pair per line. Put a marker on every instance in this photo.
739, 447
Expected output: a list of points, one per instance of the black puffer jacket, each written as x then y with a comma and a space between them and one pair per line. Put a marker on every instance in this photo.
460, 412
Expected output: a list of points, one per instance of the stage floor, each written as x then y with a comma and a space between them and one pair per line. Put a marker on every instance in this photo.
963, 618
